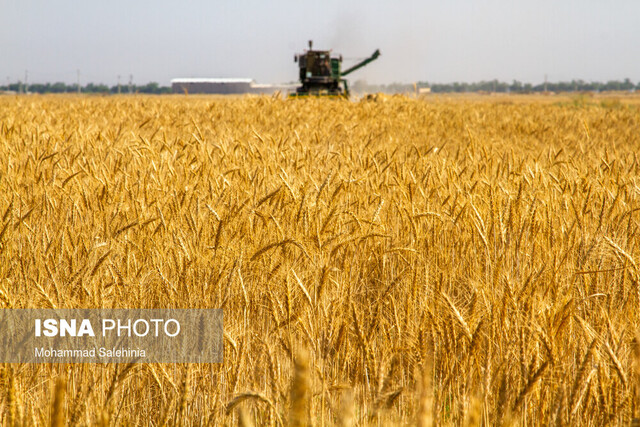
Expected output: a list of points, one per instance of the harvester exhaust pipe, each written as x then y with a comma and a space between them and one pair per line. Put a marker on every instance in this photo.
310, 44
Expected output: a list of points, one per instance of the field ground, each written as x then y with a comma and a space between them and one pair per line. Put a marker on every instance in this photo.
452, 260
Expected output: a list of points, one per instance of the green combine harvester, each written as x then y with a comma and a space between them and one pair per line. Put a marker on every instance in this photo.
321, 74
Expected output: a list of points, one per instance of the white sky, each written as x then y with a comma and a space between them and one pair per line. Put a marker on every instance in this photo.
435, 41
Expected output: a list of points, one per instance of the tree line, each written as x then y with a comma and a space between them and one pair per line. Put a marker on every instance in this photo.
59, 87
502, 87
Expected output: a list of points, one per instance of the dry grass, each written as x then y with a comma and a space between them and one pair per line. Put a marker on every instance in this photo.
459, 262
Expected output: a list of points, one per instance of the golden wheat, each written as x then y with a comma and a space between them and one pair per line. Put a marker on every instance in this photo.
399, 261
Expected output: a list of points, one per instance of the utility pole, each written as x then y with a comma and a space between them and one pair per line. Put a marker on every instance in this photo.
78, 81
118, 84
26, 84
130, 83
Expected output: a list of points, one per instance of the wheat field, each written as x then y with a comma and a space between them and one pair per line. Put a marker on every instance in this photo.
393, 261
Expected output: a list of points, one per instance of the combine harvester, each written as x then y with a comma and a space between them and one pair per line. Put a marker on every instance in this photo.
321, 74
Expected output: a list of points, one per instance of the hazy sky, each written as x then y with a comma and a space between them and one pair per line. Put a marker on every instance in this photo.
436, 41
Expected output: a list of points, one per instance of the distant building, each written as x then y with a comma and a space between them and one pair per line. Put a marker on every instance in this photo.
224, 86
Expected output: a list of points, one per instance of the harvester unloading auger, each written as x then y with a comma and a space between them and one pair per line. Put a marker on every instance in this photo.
321, 74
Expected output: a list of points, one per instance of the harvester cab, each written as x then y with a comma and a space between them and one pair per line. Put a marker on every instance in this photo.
321, 73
